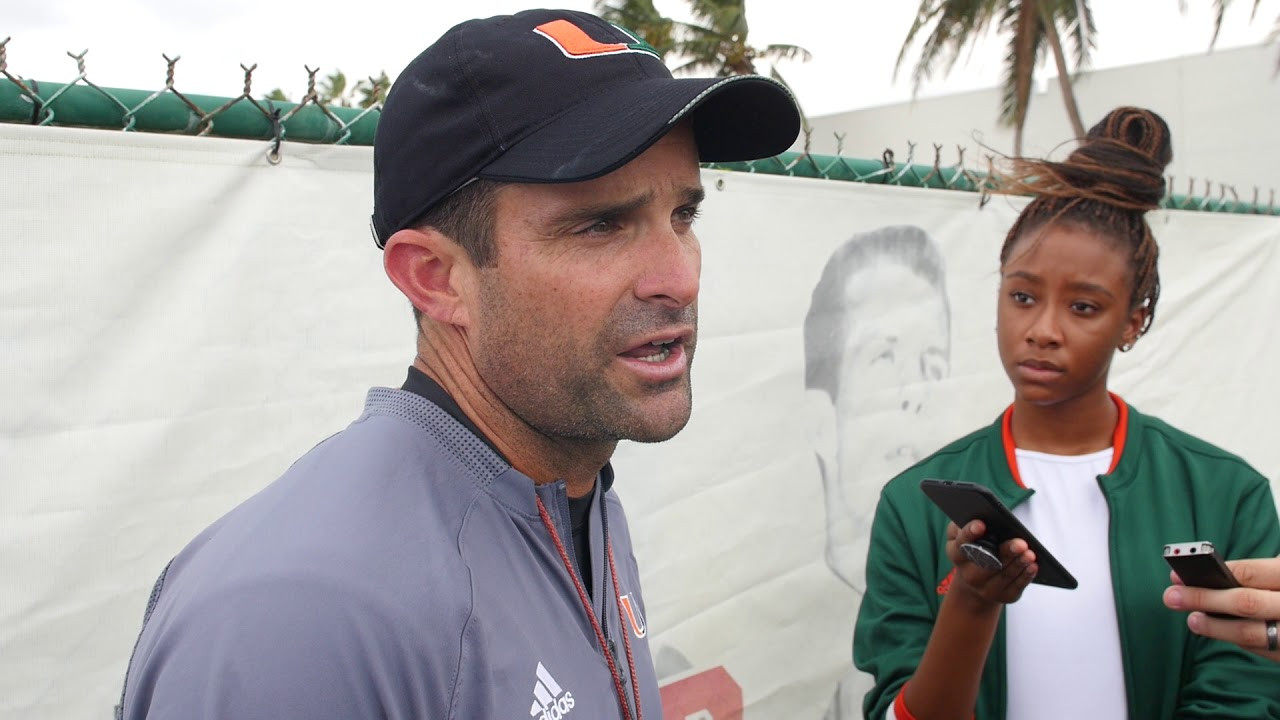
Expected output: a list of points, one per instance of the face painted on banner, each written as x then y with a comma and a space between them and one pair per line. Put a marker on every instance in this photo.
897, 346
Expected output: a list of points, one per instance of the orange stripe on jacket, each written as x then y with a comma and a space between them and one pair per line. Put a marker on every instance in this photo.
1118, 438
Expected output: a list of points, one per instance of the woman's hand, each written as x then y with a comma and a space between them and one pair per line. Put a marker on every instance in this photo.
945, 684
1255, 607
990, 587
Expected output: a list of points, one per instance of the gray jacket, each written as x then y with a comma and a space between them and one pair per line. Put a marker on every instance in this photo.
398, 570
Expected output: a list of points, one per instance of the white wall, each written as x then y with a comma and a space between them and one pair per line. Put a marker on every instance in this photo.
1223, 109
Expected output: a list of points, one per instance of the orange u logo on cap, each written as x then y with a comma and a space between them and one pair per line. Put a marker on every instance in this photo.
576, 44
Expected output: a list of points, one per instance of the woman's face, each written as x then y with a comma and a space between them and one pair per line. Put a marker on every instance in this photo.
1065, 305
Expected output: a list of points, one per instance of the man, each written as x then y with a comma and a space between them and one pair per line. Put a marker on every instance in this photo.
458, 551
877, 334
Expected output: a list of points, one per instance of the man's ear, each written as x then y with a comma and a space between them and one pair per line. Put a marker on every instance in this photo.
433, 271
820, 426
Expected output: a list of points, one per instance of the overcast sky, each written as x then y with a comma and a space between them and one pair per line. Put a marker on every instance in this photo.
854, 42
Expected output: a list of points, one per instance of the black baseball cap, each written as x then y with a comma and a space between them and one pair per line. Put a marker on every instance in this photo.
547, 96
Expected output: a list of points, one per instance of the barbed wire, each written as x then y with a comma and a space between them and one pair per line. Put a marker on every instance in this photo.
960, 176
82, 103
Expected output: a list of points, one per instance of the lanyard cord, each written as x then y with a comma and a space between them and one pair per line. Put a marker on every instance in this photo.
595, 624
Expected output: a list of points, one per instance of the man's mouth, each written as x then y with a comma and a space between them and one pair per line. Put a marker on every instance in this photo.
652, 352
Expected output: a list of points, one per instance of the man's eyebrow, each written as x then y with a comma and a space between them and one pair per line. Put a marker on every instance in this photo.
694, 195
610, 209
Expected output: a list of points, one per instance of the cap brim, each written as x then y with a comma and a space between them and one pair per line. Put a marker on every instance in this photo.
741, 117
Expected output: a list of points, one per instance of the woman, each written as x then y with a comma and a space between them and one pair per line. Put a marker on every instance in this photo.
1102, 486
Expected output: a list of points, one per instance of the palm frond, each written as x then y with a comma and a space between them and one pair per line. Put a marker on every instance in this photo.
641, 18
333, 89
956, 24
783, 52
1220, 10
925, 14
1081, 33
728, 16
701, 66
1022, 22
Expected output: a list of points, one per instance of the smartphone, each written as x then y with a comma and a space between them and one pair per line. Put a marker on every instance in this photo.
965, 501
1199, 564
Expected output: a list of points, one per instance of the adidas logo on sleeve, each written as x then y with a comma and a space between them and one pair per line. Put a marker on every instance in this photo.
550, 701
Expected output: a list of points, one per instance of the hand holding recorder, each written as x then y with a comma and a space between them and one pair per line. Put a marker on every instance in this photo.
1245, 613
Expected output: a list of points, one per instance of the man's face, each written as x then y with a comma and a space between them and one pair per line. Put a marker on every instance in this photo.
896, 345
586, 325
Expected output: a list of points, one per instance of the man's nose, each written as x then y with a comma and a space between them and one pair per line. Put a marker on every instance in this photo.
672, 266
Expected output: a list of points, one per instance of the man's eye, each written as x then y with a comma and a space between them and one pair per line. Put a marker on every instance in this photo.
688, 215
600, 227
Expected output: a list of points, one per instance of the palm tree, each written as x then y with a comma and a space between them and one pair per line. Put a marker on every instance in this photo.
641, 18
1029, 26
333, 90
1220, 8
715, 42
373, 90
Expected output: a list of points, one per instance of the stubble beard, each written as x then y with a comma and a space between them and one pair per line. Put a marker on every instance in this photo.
560, 386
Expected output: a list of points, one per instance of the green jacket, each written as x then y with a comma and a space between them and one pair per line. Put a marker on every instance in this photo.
1166, 486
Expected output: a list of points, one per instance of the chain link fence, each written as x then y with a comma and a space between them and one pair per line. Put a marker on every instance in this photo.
1214, 197
82, 103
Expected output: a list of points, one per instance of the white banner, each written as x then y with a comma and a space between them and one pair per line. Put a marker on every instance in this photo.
181, 320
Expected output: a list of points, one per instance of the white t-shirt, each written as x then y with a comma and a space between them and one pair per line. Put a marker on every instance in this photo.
1063, 646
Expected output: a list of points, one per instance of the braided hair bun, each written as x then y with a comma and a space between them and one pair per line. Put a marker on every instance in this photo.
1120, 162
1106, 185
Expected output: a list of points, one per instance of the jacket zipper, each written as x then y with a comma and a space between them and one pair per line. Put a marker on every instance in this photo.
608, 592
611, 646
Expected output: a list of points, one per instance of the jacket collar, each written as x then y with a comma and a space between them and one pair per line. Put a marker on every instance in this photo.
1009, 482
485, 466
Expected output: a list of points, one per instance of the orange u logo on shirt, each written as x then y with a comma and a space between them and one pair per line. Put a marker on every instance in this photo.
638, 625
